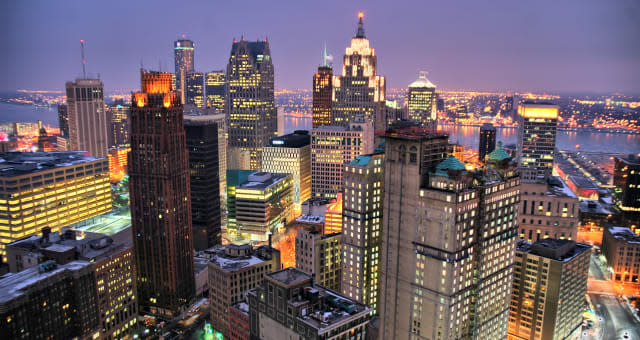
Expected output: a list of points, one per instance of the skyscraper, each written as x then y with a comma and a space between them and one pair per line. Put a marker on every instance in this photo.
183, 59
626, 182
536, 140
318, 255
250, 107
88, 123
202, 143
447, 253
359, 91
119, 128
487, 140
160, 197
194, 94
362, 209
322, 92
214, 83
422, 102
63, 120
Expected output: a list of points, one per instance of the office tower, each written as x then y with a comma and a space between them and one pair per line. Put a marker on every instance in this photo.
214, 83
331, 147
183, 59
333, 216
318, 255
118, 164
113, 271
258, 203
549, 289
88, 121
233, 270
50, 189
194, 93
621, 248
44, 141
422, 102
63, 120
119, 128
359, 92
288, 305
361, 228
447, 251
291, 154
322, 93
626, 182
536, 140
393, 113
160, 198
202, 144
50, 301
487, 141
250, 108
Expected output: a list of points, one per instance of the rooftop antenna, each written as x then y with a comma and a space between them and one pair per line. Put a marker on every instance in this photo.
84, 62
324, 54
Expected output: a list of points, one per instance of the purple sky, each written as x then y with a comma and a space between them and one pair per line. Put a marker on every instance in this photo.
552, 45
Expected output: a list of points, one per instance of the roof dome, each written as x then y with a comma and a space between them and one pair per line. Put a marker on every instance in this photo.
451, 163
422, 81
498, 154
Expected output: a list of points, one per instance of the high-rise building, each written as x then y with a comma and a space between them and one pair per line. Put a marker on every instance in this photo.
621, 248
447, 251
250, 108
549, 289
318, 255
88, 123
258, 203
322, 93
119, 128
536, 140
45, 144
359, 92
288, 305
214, 83
118, 164
487, 141
63, 120
234, 270
393, 113
160, 198
362, 228
50, 189
202, 144
331, 147
333, 216
194, 93
183, 58
422, 102
626, 182
291, 154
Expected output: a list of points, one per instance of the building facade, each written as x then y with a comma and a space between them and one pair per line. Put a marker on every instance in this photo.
119, 128
322, 96
183, 52
487, 141
359, 92
626, 182
50, 189
331, 147
549, 289
362, 210
250, 108
87, 117
536, 140
447, 256
291, 154
63, 120
621, 248
422, 101
288, 305
194, 93
202, 144
214, 84
318, 255
160, 198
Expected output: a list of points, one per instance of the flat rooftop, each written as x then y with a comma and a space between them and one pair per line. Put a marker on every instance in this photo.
262, 180
234, 263
297, 139
289, 276
624, 234
554, 249
414, 133
583, 182
20, 163
557, 187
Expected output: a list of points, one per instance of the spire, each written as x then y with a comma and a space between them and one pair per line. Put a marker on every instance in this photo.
324, 54
360, 33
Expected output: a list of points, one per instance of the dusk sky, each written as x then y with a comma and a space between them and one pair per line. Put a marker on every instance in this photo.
543, 45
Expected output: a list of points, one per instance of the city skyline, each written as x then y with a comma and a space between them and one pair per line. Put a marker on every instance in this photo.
536, 47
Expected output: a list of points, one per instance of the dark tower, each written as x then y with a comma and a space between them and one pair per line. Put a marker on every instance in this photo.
160, 197
202, 144
322, 88
183, 58
63, 120
487, 141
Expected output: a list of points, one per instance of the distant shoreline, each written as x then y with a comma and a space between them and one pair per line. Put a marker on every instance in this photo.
595, 130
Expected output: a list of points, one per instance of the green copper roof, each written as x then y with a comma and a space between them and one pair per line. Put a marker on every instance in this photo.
361, 160
451, 163
498, 154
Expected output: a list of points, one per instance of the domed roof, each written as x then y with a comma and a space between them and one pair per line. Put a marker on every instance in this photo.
498, 154
422, 81
451, 163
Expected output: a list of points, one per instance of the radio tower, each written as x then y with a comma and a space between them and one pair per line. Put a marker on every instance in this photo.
84, 62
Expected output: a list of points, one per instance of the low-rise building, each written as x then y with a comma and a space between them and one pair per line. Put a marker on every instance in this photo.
318, 255
239, 318
288, 305
549, 289
621, 248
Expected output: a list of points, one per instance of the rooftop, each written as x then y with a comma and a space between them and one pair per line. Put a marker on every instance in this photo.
289, 276
20, 163
625, 234
414, 133
556, 186
310, 219
262, 180
297, 139
422, 81
594, 207
361, 160
583, 182
225, 260
555, 249
498, 154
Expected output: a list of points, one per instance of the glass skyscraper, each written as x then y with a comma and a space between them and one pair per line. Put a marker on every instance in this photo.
183, 57
422, 102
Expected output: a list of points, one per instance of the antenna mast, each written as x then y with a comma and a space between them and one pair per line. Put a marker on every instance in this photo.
84, 62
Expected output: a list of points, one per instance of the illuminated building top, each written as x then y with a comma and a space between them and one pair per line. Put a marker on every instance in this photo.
20, 163
528, 110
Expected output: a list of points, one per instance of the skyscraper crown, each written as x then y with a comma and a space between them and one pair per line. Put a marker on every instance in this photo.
360, 32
